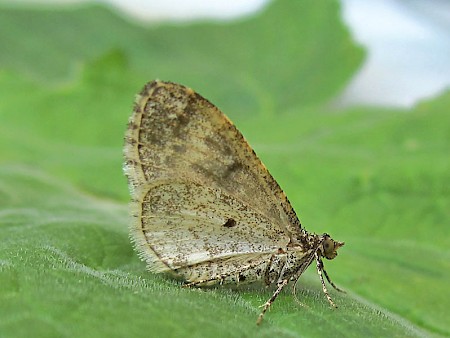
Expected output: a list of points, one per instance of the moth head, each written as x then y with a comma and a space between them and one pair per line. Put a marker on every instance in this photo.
330, 246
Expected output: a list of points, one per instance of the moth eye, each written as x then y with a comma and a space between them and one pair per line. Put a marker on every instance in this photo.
329, 248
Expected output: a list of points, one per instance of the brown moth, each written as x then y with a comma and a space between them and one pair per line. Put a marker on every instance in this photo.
204, 206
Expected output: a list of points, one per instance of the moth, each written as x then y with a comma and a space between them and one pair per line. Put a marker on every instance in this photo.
204, 207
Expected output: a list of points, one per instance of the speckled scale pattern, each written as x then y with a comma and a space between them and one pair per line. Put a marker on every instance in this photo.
204, 207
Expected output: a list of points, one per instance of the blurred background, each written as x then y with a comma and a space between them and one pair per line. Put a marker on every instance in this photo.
407, 42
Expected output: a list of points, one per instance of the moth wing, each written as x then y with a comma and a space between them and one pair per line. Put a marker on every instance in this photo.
174, 133
246, 268
183, 223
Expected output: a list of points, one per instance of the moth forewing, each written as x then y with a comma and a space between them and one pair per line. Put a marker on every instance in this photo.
204, 207
187, 224
137, 233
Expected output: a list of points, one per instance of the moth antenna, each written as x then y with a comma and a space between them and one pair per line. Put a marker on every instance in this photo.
329, 280
294, 292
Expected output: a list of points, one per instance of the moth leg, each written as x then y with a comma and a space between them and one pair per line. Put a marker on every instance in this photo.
329, 280
267, 304
324, 288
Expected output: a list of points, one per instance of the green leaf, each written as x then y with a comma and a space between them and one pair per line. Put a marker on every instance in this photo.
271, 52
373, 178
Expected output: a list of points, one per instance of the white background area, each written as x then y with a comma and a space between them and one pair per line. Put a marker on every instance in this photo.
407, 42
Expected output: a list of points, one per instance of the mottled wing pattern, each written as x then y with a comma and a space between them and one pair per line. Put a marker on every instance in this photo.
188, 223
176, 139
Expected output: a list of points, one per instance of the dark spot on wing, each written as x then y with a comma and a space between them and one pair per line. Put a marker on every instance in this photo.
221, 147
230, 223
180, 124
230, 169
